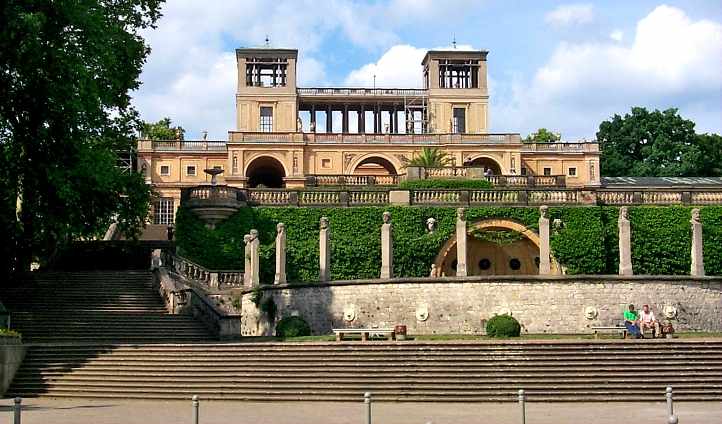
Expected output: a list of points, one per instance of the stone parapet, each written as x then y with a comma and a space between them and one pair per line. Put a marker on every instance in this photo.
462, 305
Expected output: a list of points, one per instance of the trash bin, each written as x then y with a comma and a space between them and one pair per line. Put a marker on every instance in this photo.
400, 332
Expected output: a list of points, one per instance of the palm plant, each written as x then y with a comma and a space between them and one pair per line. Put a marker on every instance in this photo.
430, 157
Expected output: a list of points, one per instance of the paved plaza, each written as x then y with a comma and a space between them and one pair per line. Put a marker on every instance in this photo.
53, 411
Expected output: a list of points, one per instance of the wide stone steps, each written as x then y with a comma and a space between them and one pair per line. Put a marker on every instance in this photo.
407, 371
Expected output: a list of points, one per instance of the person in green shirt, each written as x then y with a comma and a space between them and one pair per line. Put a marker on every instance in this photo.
631, 321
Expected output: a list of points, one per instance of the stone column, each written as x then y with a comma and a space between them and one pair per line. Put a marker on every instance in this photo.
247, 260
280, 277
625, 242
387, 248
461, 268
324, 250
697, 242
545, 267
255, 259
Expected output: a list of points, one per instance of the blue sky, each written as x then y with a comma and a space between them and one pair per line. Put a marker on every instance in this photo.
562, 65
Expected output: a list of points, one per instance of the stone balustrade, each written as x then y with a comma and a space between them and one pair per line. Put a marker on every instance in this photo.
379, 138
463, 197
351, 180
206, 278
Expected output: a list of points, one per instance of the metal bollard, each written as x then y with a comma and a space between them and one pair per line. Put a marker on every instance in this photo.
17, 408
196, 405
672, 419
367, 401
522, 405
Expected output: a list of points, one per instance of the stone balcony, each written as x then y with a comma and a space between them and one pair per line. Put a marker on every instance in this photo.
368, 138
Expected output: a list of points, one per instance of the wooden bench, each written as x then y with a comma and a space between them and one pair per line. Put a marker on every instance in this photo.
366, 333
610, 329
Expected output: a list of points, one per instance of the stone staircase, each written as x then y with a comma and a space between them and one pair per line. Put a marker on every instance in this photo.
95, 307
393, 371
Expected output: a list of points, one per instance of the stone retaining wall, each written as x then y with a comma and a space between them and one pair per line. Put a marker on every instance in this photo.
12, 352
557, 304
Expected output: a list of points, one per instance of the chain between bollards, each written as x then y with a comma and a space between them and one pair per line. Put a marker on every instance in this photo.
671, 418
522, 405
367, 401
17, 409
196, 407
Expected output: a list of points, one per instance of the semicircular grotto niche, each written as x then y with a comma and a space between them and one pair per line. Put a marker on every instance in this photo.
495, 247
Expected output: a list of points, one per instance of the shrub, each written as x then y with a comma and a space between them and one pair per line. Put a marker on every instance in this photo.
503, 326
4, 332
292, 327
445, 183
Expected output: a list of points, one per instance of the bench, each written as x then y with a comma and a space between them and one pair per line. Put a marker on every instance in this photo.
365, 333
609, 329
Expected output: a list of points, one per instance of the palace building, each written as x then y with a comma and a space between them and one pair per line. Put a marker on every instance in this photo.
290, 137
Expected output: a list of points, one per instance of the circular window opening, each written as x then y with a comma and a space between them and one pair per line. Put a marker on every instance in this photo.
536, 261
453, 264
515, 264
484, 264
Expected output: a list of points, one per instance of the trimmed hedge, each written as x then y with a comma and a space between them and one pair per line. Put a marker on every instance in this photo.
292, 327
503, 326
445, 183
585, 244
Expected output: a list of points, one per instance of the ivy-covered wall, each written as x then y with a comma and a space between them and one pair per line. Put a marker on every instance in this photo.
586, 243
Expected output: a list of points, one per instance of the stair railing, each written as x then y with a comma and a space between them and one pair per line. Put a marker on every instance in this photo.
210, 279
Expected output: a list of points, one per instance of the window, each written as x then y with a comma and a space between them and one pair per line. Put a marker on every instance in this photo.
572, 172
458, 73
325, 163
266, 71
459, 122
547, 172
163, 211
484, 264
515, 264
165, 170
523, 170
191, 170
266, 119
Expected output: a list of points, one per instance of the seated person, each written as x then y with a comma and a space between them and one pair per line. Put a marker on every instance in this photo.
647, 320
631, 321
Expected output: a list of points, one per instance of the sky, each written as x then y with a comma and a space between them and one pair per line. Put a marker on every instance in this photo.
565, 66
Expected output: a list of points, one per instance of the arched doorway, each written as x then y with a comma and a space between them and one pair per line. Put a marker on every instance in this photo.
495, 247
485, 162
375, 165
265, 171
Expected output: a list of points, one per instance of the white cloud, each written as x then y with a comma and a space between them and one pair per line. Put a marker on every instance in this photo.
617, 35
398, 67
570, 14
672, 62
190, 75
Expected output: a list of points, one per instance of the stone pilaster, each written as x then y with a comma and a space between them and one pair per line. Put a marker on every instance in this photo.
625, 242
461, 268
280, 277
545, 266
324, 250
697, 243
387, 247
255, 258
247, 260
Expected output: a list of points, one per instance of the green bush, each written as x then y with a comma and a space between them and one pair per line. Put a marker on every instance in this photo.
445, 183
503, 326
292, 327
4, 332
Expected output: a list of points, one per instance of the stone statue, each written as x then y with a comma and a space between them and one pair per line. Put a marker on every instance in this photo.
461, 239
695, 216
387, 217
623, 214
697, 269
324, 250
299, 125
434, 271
205, 135
324, 223
461, 214
177, 134
544, 211
431, 225
280, 277
313, 127
387, 247
247, 260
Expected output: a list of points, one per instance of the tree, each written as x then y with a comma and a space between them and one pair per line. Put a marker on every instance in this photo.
66, 70
162, 130
430, 157
710, 146
543, 135
649, 144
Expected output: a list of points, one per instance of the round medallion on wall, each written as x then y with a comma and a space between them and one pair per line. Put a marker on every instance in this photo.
590, 312
349, 313
422, 312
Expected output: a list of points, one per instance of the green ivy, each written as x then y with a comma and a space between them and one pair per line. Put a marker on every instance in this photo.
585, 243
445, 183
